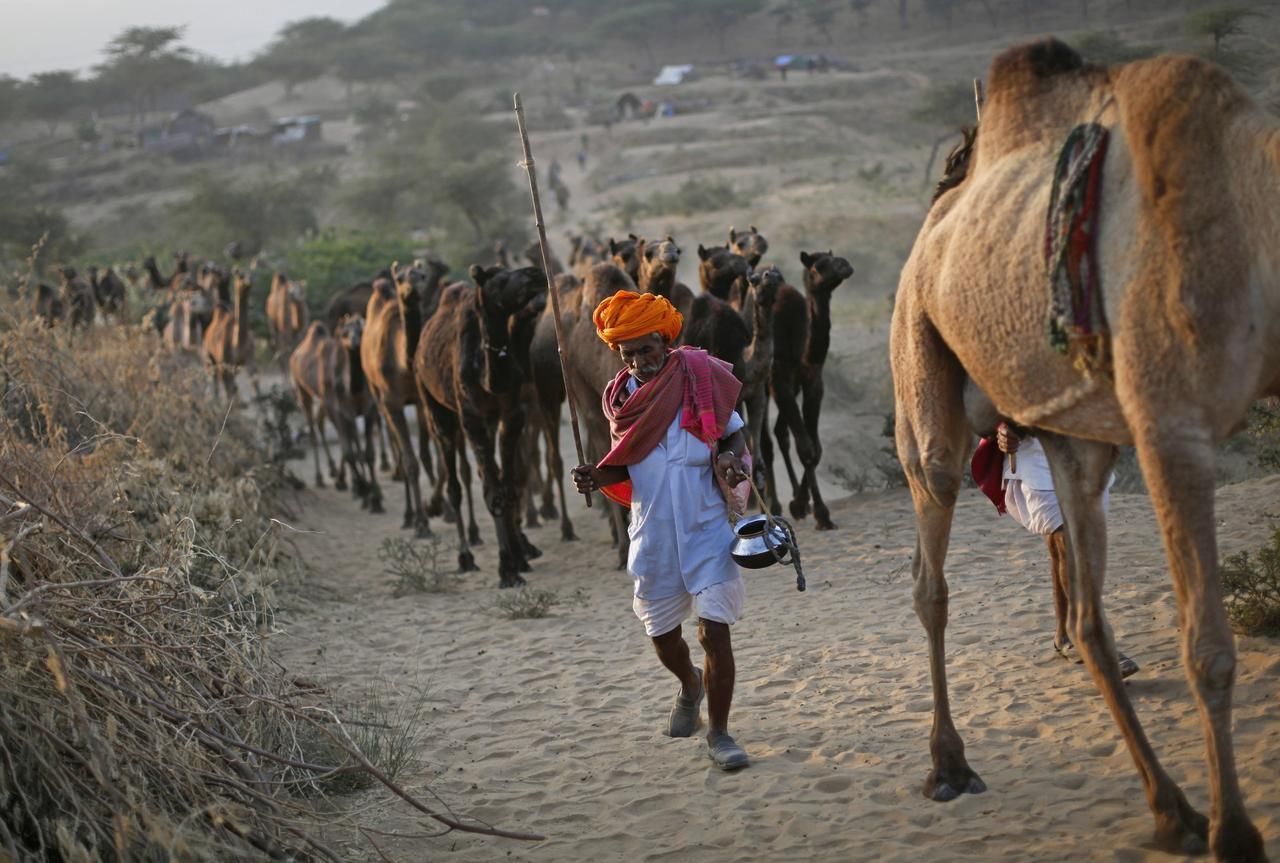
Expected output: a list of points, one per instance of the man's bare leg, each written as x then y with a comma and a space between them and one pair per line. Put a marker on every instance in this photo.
719, 672
673, 653
1057, 543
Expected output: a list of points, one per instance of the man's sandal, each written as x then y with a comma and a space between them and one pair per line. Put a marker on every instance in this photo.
683, 720
1067, 650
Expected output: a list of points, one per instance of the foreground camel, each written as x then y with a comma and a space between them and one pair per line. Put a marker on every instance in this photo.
471, 366
77, 298
228, 343
109, 293
1187, 257
287, 314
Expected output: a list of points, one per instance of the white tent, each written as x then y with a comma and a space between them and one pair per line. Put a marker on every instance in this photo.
674, 75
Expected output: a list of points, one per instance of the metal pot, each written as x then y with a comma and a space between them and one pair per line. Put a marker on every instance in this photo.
757, 545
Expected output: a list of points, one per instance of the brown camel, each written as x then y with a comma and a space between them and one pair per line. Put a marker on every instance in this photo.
548, 387
722, 273
393, 324
167, 283
625, 255
471, 366
801, 338
763, 287
591, 366
77, 298
585, 252
48, 305
287, 314
321, 377
108, 293
658, 262
186, 320
533, 254
353, 301
1185, 263
228, 343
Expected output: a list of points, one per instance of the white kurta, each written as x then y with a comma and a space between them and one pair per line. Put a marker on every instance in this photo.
680, 531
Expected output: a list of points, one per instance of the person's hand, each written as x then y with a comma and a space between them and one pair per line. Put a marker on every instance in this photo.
730, 468
585, 478
1007, 439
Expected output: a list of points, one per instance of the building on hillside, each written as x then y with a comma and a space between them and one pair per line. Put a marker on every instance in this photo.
188, 134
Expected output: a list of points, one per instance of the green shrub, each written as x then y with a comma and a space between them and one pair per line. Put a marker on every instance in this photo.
1251, 587
333, 261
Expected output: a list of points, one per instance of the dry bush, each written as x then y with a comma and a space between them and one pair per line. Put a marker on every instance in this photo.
140, 715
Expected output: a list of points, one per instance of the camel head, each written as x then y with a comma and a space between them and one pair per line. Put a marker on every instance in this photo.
765, 284
626, 256
243, 284
823, 271
509, 303
68, 273
659, 256
718, 268
751, 244
351, 331
409, 281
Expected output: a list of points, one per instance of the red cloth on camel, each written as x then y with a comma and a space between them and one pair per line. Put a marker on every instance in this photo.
691, 381
987, 468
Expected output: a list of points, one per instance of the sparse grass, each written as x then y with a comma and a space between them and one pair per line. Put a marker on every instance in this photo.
417, 567
1251, 584
695, 195
528, 603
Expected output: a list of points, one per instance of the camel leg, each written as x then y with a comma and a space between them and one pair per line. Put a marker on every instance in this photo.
514, 439
1056, 543
783, 436
304, 402
1177, 457
464, 471
555, 471
444, 426
324, 442
532, 486
436, 505
370, 430
554, 481
933, 440
770, 487
812, 410
414, 517
482, 446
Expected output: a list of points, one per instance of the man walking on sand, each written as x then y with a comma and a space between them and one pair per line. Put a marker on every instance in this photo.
677, 447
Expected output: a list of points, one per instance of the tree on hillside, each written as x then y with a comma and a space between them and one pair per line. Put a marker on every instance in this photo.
633, 25
1219, 24
10, 98
141, 63
51, 96
718, 16
364, 59
303, 50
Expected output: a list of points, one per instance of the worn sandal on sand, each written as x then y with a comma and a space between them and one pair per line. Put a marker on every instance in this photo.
725, 753
683, 720
1067, 650
1128, 667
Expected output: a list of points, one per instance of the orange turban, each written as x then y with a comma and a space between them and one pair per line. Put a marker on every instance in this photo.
628, 315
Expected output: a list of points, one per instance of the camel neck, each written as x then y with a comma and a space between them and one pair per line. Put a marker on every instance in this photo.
411, 316
819, 327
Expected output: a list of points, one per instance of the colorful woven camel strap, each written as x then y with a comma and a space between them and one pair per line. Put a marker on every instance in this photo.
1077, 319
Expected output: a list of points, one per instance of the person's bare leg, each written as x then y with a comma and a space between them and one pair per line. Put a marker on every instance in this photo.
673, 653
1057, 544
719, 673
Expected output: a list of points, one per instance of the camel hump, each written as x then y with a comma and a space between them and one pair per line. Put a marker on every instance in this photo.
1024, 67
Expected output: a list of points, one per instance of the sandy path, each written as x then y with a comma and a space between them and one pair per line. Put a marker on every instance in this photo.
553, 725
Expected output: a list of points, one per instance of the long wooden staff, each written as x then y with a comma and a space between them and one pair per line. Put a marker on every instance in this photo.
527, 164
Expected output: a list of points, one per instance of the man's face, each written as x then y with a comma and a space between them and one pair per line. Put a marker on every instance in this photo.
644, 356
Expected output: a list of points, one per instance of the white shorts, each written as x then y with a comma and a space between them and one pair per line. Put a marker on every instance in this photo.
720, 602
1037, 509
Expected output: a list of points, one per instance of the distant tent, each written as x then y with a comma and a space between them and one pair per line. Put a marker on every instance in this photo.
675, 75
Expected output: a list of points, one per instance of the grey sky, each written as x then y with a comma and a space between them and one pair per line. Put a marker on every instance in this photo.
42, 35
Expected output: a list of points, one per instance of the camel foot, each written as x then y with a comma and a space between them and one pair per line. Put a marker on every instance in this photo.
397, 475
524, 566
1182, 830
383, 465
375, 505
943, 786
1238, 841
531, 551
531, 519
466, 562
799, 508
319, 481
409, 522
340, 484
549, 512
333, 471
422, 530
824, 523
510, 579
473, 535
435, 509
567, 534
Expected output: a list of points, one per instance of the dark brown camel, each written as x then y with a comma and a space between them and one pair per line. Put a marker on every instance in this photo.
77, 298
585, 252
321, 378
393, 324
287, 314
548, 387
471, 366
625, 255
801, 338
353, 301
591, 366
109, 293
722, 273
763, 287
47, 304
533, 254
228, 343
350, 334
